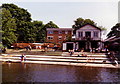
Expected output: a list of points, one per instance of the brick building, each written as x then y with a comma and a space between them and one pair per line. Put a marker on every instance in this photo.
87, 37
58, 35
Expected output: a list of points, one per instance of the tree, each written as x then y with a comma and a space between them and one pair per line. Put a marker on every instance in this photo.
8, 28
39, 31
51, 25
79, 22
115, 31
17, 13
0, 25
22, 20
17, 26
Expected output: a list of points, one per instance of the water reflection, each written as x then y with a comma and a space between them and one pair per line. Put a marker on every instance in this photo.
20, 72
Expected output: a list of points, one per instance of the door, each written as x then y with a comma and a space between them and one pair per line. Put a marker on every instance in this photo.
88, 34
69, 46
82, 45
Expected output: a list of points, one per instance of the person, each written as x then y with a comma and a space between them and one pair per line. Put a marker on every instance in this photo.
4, 50
82, 50
29, 47
78, 55
48, 46
91, 50
55, 47
22, 57
71, 52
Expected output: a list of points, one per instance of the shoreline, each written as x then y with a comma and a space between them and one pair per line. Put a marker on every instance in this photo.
61, 60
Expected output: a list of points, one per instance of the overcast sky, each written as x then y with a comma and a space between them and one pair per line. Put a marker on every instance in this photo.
64, 12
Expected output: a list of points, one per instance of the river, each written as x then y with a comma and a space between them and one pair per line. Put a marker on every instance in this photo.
20, 72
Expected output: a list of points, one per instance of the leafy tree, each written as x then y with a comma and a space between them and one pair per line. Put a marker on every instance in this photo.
22, 19
17, 13
39, 31
17, 26
115, 31
51, 25
0, 24
79, 22
8, 28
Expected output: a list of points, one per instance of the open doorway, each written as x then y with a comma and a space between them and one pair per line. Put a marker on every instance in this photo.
88, 34
69, 46
81, 45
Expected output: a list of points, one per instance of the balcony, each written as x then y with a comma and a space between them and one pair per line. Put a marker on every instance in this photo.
87, 38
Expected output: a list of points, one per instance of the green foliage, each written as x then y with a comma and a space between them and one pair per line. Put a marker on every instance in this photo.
115, 31
68, 38
79, 22
39, 30
8, 28
16, 24
51, 25
17, 13
102, 28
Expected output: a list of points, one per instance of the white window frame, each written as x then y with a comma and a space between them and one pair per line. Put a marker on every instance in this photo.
60, 37
60, 32
80, 34
50, 32
51, 37
96, 33
66, 32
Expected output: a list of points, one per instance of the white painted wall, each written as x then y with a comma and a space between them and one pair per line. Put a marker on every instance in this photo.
91, 29
64, 46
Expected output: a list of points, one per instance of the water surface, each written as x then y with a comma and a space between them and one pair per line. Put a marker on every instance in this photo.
20, 72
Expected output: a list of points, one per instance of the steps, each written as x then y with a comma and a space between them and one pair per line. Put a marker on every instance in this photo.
90, 60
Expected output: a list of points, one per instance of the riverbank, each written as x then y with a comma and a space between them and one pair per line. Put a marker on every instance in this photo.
92, 59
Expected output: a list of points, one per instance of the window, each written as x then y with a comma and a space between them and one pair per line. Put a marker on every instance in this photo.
50, 37
60, 32
95, 34
50, 32
66, 32
80, 34
60, 37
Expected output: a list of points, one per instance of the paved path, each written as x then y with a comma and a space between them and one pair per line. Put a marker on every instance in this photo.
96, 60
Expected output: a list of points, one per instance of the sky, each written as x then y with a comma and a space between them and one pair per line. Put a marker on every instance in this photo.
65, 12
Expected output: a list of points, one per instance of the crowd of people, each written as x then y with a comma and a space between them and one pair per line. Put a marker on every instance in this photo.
110, 55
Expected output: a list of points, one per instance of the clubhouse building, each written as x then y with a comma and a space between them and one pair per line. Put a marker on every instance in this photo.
87, 37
